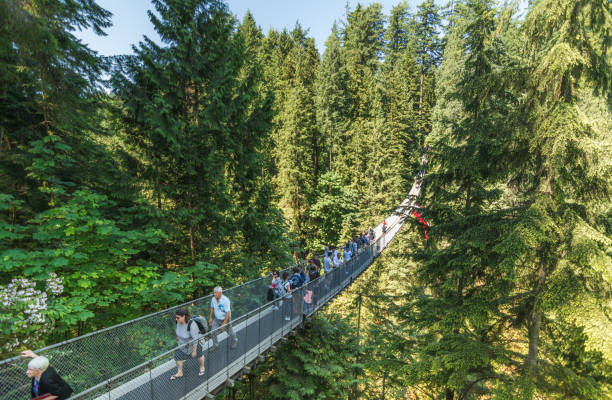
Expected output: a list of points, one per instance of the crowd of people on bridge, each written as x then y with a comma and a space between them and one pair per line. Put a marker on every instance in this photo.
284, 285
47, 384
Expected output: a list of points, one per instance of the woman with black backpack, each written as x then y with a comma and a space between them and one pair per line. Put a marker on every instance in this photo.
187, 331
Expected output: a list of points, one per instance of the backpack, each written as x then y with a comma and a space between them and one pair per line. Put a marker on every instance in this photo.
200, 322
279, 291
295, 281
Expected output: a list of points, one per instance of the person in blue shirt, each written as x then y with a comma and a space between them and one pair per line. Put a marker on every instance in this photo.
296, 281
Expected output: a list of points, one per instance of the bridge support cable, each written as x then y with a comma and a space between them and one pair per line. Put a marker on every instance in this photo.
134, 360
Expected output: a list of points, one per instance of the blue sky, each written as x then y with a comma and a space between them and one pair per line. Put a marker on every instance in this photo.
130, 20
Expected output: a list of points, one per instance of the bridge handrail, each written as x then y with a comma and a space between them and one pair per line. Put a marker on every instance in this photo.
365, 254
9, 367
134, 320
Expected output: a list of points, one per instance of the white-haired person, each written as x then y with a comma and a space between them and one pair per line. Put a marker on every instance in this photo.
45, 381
220, 315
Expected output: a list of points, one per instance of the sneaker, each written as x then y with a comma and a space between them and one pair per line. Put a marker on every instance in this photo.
275, 308
287, 319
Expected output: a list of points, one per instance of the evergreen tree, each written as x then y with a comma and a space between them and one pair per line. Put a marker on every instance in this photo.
298, 146
259, 222
428, 47
47, 90
199, 116
316, 365
67, 208
452, 319
332, 99
400, 152
397, 34
363, 44
512, 236
558, 242
333, 209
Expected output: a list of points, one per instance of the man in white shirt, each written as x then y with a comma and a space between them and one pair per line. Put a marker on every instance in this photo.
220, 314
327, 266
336, 260
347, 254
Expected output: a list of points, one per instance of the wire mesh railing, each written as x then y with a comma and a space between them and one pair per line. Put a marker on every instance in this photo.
133, 360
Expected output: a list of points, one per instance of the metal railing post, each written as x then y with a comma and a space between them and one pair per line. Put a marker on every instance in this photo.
259, 332
246, 333
207, 376
227, 349
151, 380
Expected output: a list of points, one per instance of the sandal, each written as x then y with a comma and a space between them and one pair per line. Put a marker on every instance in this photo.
175, 377
202, 372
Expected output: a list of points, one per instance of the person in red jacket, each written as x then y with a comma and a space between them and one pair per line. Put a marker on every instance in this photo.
419, 217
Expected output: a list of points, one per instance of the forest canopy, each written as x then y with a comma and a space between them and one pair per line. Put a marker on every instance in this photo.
132, 183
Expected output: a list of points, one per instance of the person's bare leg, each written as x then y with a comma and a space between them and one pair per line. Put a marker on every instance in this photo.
201, 364
179, 369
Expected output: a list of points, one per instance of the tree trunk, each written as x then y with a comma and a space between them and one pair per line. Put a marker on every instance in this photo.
191, 242
449, 395
421, 93
535, 324
158, 189
315, 159
191, 238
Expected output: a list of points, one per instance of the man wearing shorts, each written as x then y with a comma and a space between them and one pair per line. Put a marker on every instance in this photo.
220, 314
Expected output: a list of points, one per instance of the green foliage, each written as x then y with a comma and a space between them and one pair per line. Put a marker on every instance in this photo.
297, 143
332, 99
227, 147
319, 364
512, 198
335, 205
83, 171
199, 126
426, 37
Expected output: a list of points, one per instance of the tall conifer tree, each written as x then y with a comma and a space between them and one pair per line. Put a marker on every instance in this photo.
199, 113
332, 99
559, 244
363, 38
298, 146
402, 139
452, 319
428, 47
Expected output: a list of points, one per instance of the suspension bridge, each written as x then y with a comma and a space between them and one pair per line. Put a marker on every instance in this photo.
134, 360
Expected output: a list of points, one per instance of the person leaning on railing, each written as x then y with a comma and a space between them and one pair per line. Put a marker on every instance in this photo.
46, 383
